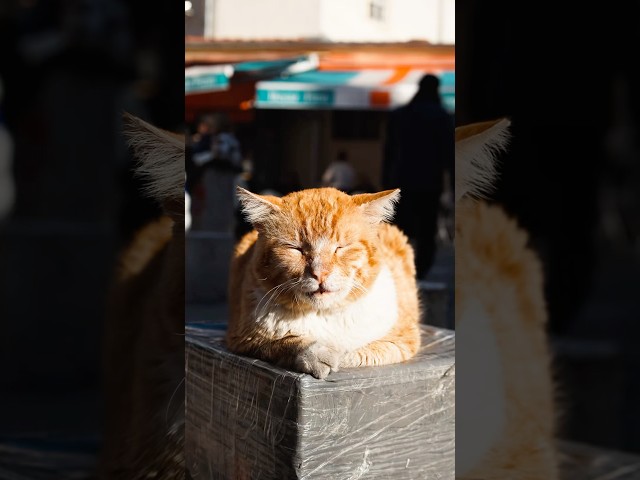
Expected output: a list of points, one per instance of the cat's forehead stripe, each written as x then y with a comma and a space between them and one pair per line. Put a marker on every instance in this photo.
314, 226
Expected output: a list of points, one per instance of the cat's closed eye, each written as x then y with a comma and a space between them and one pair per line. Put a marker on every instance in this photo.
296, 248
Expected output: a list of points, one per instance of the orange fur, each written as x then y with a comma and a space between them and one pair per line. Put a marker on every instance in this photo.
500, 278
318, 238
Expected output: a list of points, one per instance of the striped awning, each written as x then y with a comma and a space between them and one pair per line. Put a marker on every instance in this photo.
263, 69
355, 90
213, 78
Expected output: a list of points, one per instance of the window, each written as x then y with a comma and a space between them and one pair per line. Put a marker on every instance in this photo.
376, 10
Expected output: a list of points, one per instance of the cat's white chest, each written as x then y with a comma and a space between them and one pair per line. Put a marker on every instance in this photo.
367, 319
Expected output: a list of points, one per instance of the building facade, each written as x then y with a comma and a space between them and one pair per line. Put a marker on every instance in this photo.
324, 20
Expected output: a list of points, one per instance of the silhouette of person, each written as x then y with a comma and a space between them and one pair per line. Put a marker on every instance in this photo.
419, 149
340, 174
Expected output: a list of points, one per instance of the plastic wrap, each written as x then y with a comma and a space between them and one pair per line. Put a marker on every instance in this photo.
247, 419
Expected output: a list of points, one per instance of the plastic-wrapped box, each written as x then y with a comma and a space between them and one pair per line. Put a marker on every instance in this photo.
248, 419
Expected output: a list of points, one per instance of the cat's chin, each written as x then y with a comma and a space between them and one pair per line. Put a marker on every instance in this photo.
322, 290
324, 298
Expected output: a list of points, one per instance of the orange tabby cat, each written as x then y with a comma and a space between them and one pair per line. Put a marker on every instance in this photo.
323, 282
505, 413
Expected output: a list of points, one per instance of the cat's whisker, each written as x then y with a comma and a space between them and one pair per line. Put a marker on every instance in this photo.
269, 301
288, 288
263, 297
274, 292
363, 290
261, 307
359, 287
281, 289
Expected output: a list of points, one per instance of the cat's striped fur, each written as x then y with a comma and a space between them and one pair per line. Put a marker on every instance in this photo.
323, 282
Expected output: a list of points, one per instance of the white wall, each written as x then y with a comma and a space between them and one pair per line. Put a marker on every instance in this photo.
448, 35
349, 21
431, 20
266, 19
334, 20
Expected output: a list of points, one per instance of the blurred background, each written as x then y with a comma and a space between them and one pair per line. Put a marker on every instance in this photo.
567, 79
286, 95
68, 69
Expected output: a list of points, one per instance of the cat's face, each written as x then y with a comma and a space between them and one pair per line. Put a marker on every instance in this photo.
318, 247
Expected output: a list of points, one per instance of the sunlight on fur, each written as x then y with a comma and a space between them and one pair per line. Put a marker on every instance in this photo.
323, 282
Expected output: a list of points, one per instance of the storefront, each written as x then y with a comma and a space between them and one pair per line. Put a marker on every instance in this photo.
321, 113
296, 105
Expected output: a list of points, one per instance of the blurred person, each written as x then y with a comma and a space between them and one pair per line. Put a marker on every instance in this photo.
200, 142
198, 153
215, 161
419, 150
340, 174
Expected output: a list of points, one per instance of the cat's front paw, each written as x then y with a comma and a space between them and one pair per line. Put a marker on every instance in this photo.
318, 360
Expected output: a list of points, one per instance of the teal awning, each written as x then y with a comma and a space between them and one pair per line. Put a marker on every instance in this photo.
209, 78
212, 78
264, 69
371, 89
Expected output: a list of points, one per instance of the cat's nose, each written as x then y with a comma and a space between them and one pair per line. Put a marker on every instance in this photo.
319, 274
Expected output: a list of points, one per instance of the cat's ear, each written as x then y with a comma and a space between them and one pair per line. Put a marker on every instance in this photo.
258, 208
477, 146
160, 163
379, 207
